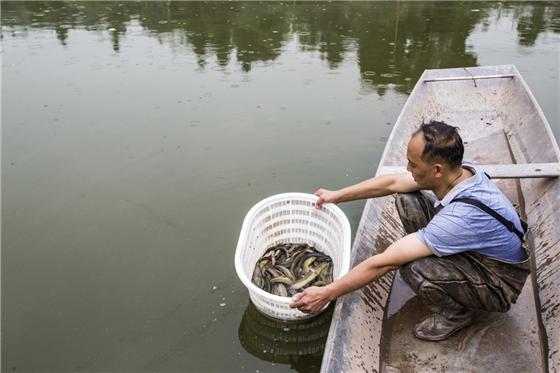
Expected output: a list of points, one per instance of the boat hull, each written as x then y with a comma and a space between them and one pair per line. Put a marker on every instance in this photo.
501, 124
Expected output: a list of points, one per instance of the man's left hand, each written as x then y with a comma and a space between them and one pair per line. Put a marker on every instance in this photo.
311, 300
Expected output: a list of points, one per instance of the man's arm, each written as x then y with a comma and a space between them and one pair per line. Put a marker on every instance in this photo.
405, 250
377, 186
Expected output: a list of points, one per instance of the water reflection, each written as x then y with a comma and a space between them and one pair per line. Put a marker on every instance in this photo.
299, 344
534, 19
393, 41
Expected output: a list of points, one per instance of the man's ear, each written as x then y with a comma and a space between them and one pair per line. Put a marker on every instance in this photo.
438, 170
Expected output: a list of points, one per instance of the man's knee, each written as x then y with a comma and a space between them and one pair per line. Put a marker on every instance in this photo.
406, 201
423, 275
423, 270
415, 210
413, 273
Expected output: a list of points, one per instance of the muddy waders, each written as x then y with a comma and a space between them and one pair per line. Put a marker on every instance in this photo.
453, 286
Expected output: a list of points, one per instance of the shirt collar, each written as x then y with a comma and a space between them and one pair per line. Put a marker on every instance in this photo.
465, 184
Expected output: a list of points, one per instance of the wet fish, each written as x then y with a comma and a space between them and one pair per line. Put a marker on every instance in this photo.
310, 276
285, 271
280, 290
297, 261
281, 280
288, 268
307, 263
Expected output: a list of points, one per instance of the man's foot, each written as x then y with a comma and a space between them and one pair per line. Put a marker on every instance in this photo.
437, 328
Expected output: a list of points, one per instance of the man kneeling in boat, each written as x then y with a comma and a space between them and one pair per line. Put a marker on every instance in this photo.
458, 255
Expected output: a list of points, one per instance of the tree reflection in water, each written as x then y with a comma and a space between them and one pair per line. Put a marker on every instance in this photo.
392, 41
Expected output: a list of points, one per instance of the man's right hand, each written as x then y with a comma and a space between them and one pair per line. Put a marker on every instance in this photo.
377, 186
325, 196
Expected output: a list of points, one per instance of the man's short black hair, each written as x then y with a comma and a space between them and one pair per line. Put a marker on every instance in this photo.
441, 143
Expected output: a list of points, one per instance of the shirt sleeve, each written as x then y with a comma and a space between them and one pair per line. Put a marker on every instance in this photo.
450, 231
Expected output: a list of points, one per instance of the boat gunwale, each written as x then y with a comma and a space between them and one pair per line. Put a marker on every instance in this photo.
337, 318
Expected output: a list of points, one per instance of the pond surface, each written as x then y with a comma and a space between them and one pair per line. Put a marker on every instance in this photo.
137, 135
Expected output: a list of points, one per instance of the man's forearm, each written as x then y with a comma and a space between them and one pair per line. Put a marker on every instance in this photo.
403, 251
378, 186
364, 273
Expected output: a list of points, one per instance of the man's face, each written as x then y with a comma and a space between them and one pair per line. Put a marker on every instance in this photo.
422, 172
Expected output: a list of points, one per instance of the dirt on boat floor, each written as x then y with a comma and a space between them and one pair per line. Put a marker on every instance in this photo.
496, 342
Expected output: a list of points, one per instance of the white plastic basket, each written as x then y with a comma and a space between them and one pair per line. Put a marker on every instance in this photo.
287, 218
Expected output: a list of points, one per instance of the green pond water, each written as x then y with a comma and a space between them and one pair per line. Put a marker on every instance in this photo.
137, 135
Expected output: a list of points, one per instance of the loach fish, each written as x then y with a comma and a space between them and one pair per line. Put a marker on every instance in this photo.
288, 268
285, 271
307, 263
310, 276
280, 290
282, 280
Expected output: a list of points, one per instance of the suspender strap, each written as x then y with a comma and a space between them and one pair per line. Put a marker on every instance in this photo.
508, 224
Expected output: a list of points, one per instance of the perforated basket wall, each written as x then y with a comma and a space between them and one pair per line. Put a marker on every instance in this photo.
290, 218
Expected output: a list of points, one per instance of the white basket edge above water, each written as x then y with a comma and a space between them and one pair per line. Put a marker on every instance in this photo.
290, 217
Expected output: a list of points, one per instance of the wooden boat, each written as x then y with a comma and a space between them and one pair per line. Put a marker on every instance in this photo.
504, 130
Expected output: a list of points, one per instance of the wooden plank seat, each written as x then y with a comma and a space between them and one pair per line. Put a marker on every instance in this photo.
502, 171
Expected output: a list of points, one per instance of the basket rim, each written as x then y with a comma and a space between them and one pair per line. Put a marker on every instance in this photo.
345, 265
